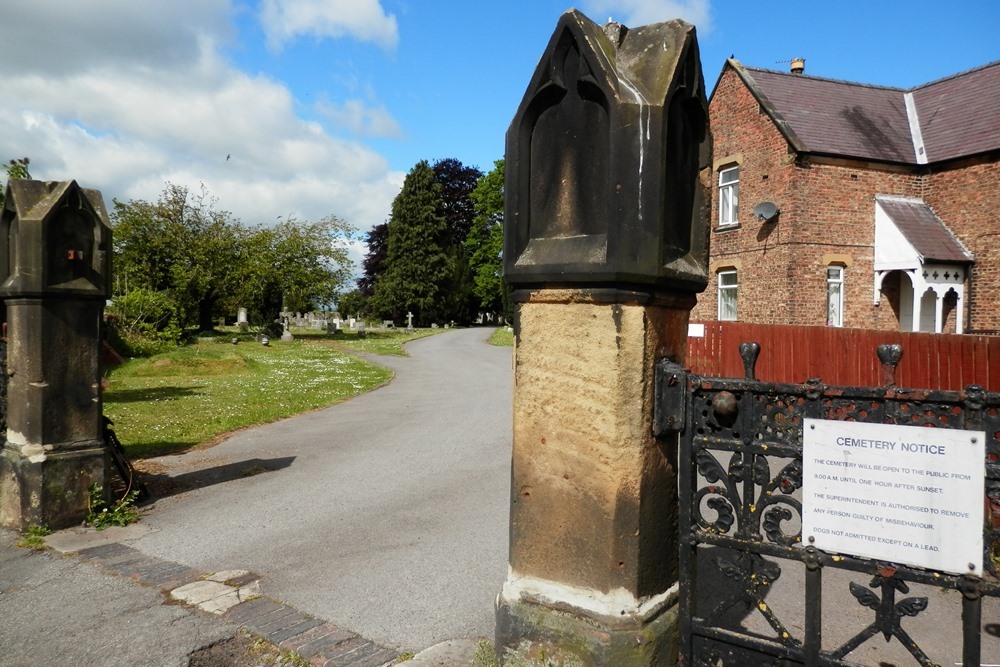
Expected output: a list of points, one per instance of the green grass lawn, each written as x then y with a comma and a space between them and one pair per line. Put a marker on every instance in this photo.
189, 396
502, 336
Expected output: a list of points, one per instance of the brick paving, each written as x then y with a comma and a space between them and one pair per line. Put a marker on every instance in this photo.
322, 644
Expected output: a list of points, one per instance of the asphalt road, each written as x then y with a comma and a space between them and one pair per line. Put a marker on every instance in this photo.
385, 515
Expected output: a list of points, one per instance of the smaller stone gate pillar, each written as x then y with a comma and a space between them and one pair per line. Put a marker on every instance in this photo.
55, 268
605, 248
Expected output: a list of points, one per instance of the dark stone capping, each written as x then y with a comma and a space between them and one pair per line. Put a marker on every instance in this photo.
603, 160
606, 295
60, 241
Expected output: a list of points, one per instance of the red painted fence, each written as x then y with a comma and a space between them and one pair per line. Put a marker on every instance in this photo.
846, 356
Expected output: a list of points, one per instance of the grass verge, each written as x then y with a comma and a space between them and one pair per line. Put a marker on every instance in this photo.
503, 337
173, 401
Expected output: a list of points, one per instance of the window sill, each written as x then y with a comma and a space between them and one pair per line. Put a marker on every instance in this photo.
727, 228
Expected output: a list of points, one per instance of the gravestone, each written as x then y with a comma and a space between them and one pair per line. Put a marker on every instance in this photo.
409, 321
605, 246
241, 320
55, 271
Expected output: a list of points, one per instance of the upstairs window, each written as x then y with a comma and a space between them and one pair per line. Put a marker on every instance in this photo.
728, 287
729, 196
835, 296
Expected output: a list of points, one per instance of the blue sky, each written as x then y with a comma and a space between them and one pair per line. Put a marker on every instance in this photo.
322, 106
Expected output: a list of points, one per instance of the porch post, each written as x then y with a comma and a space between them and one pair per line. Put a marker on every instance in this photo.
960, 311
605, 247
938, 312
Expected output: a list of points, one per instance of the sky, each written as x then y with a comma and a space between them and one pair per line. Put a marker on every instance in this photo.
309, 108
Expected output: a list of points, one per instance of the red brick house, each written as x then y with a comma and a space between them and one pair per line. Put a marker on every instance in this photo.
852, 205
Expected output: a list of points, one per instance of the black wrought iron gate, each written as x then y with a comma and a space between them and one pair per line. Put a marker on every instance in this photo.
740, 502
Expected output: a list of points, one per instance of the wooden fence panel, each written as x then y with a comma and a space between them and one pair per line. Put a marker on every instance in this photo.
846, 356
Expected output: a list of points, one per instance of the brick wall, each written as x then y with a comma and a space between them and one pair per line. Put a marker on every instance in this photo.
968, 200
827, 217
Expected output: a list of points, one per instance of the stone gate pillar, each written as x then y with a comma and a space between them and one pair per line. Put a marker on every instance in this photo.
605, 247
55, 266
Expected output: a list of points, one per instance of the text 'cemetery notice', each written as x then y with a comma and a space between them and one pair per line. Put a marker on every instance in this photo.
903, 494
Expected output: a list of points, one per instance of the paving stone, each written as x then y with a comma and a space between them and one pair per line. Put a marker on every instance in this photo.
172, 576
136, 568
315, 640
342, 655
249, 611
123, 565
377, 659
360, 654
274, 620
200, 591
297, 629
225, 575
451, 653
323, 653
221, 604
104, 551
153, 569
235, 577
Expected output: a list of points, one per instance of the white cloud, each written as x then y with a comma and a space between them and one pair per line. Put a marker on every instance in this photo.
127, 120
58, 37
364, 20
361, 119
635, 13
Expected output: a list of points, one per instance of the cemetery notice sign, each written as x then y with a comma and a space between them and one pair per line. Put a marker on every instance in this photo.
903, 494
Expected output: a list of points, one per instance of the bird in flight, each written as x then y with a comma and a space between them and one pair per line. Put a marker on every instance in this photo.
227, 157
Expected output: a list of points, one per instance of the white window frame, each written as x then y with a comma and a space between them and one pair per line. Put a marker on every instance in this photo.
728, 306
835, 295
729, 196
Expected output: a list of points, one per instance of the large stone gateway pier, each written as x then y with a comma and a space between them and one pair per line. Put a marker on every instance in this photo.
55, 272
605, 248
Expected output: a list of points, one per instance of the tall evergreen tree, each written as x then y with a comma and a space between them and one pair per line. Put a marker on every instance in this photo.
377, 240
419, 267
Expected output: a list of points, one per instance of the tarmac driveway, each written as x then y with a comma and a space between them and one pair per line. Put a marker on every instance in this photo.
385, 515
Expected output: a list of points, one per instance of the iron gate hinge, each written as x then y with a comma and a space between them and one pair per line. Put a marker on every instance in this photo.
669, 398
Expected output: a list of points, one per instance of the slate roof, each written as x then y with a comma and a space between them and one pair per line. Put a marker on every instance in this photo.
958, 116
925, 231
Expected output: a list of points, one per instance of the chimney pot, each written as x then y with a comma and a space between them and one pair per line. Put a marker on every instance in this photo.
798, 65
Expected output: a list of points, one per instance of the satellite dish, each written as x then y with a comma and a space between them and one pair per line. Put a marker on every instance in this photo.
766, 211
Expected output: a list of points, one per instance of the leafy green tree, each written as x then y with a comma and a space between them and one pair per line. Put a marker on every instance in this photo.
16, 168
485, 242
299, 266
352, 303
182, 246
208, 264
419, 268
